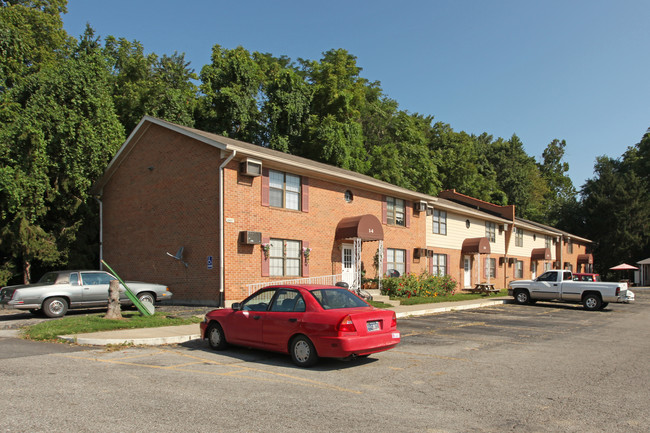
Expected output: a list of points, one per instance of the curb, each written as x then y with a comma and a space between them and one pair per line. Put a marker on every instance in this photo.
143, 341
445, 309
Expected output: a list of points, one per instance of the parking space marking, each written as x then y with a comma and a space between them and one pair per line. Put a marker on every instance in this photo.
240, 371
426, 355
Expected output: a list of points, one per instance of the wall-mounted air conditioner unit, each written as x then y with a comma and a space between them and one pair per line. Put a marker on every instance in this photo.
420, 252
250, 167
250, 238
420, 206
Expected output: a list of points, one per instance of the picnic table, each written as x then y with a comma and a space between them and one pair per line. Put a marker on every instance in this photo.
483, 288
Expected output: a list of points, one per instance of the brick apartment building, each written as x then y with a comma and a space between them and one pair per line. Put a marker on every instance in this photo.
214, 218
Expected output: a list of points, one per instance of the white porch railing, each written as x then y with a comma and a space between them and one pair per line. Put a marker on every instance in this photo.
326, 279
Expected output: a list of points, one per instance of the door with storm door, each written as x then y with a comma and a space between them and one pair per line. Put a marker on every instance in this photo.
347, 264
467, 271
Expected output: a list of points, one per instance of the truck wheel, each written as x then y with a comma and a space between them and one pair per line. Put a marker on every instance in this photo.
592, 302
522, 297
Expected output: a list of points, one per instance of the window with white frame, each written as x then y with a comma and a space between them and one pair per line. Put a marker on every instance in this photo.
284, 190
439, 222
439, 264
396, 259
395, 211
570, 246
490, 267
491, 231
284, 258
519, 269
547, 241
519, 237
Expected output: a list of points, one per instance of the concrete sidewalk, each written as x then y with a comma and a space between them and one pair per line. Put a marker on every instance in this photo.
183, 333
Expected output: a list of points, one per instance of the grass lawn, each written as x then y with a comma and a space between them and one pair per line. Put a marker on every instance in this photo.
379, 304
414, 300
95, 322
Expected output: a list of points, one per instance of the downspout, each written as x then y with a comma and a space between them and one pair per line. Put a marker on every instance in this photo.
222, 266
101, 230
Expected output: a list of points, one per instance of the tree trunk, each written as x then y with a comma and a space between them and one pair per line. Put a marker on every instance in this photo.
27, 271
114, 308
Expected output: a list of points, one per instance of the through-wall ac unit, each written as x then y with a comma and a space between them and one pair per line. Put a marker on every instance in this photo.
420, 206
250, 238
250, 167
420, 252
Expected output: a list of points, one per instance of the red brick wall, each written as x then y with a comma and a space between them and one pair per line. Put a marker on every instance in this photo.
327, 207
165, 195
162, 197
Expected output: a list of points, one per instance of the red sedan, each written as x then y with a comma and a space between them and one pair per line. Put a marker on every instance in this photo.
305, 321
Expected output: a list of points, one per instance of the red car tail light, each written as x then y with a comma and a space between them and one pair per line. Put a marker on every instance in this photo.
618, 291
393, 323
346, 325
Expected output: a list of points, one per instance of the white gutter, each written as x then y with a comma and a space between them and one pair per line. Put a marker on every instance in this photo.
222, 266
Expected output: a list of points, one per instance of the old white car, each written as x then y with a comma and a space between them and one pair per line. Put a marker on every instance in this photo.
58, 291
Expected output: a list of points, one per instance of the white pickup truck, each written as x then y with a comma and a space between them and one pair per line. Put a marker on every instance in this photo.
558, 285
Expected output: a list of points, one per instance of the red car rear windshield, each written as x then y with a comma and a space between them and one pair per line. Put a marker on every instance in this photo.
331, 299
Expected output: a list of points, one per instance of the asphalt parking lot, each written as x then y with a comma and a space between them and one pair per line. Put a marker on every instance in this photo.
549, 367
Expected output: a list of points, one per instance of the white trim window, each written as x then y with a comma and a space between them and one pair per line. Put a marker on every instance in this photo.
284, 190
547, 241
490, 267
439, 264
491, 231
519, 269
396, 259
284, 257
439, 222
519, 237
395, 211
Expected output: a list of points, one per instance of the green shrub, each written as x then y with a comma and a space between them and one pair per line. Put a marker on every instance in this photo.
423, 285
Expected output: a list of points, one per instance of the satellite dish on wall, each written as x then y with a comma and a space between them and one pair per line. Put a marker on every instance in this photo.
178, 256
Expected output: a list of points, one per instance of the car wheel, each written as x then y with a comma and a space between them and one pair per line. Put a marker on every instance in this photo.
303, 353
522, 297
55, 307
603, 305
146, 296
592, 302
216, 337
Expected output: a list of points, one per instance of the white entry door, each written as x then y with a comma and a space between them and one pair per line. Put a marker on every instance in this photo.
533, 270
347, 261
467, 271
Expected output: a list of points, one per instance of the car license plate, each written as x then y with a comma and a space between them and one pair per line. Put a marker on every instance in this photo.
372, 326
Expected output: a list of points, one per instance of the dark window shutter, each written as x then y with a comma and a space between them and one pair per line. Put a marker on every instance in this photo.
265, 261
305, 262
407, 268
408, 209
384, 212
265, 187
446, 264
305, 194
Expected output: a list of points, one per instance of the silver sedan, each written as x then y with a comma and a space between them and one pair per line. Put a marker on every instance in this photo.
56, 292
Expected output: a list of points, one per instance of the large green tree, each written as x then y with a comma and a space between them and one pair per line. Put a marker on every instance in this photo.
145, 84
51, 150
231, 100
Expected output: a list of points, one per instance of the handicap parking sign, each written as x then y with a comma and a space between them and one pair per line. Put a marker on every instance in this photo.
209, 262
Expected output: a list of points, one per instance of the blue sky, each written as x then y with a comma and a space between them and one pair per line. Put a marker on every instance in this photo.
576, 70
